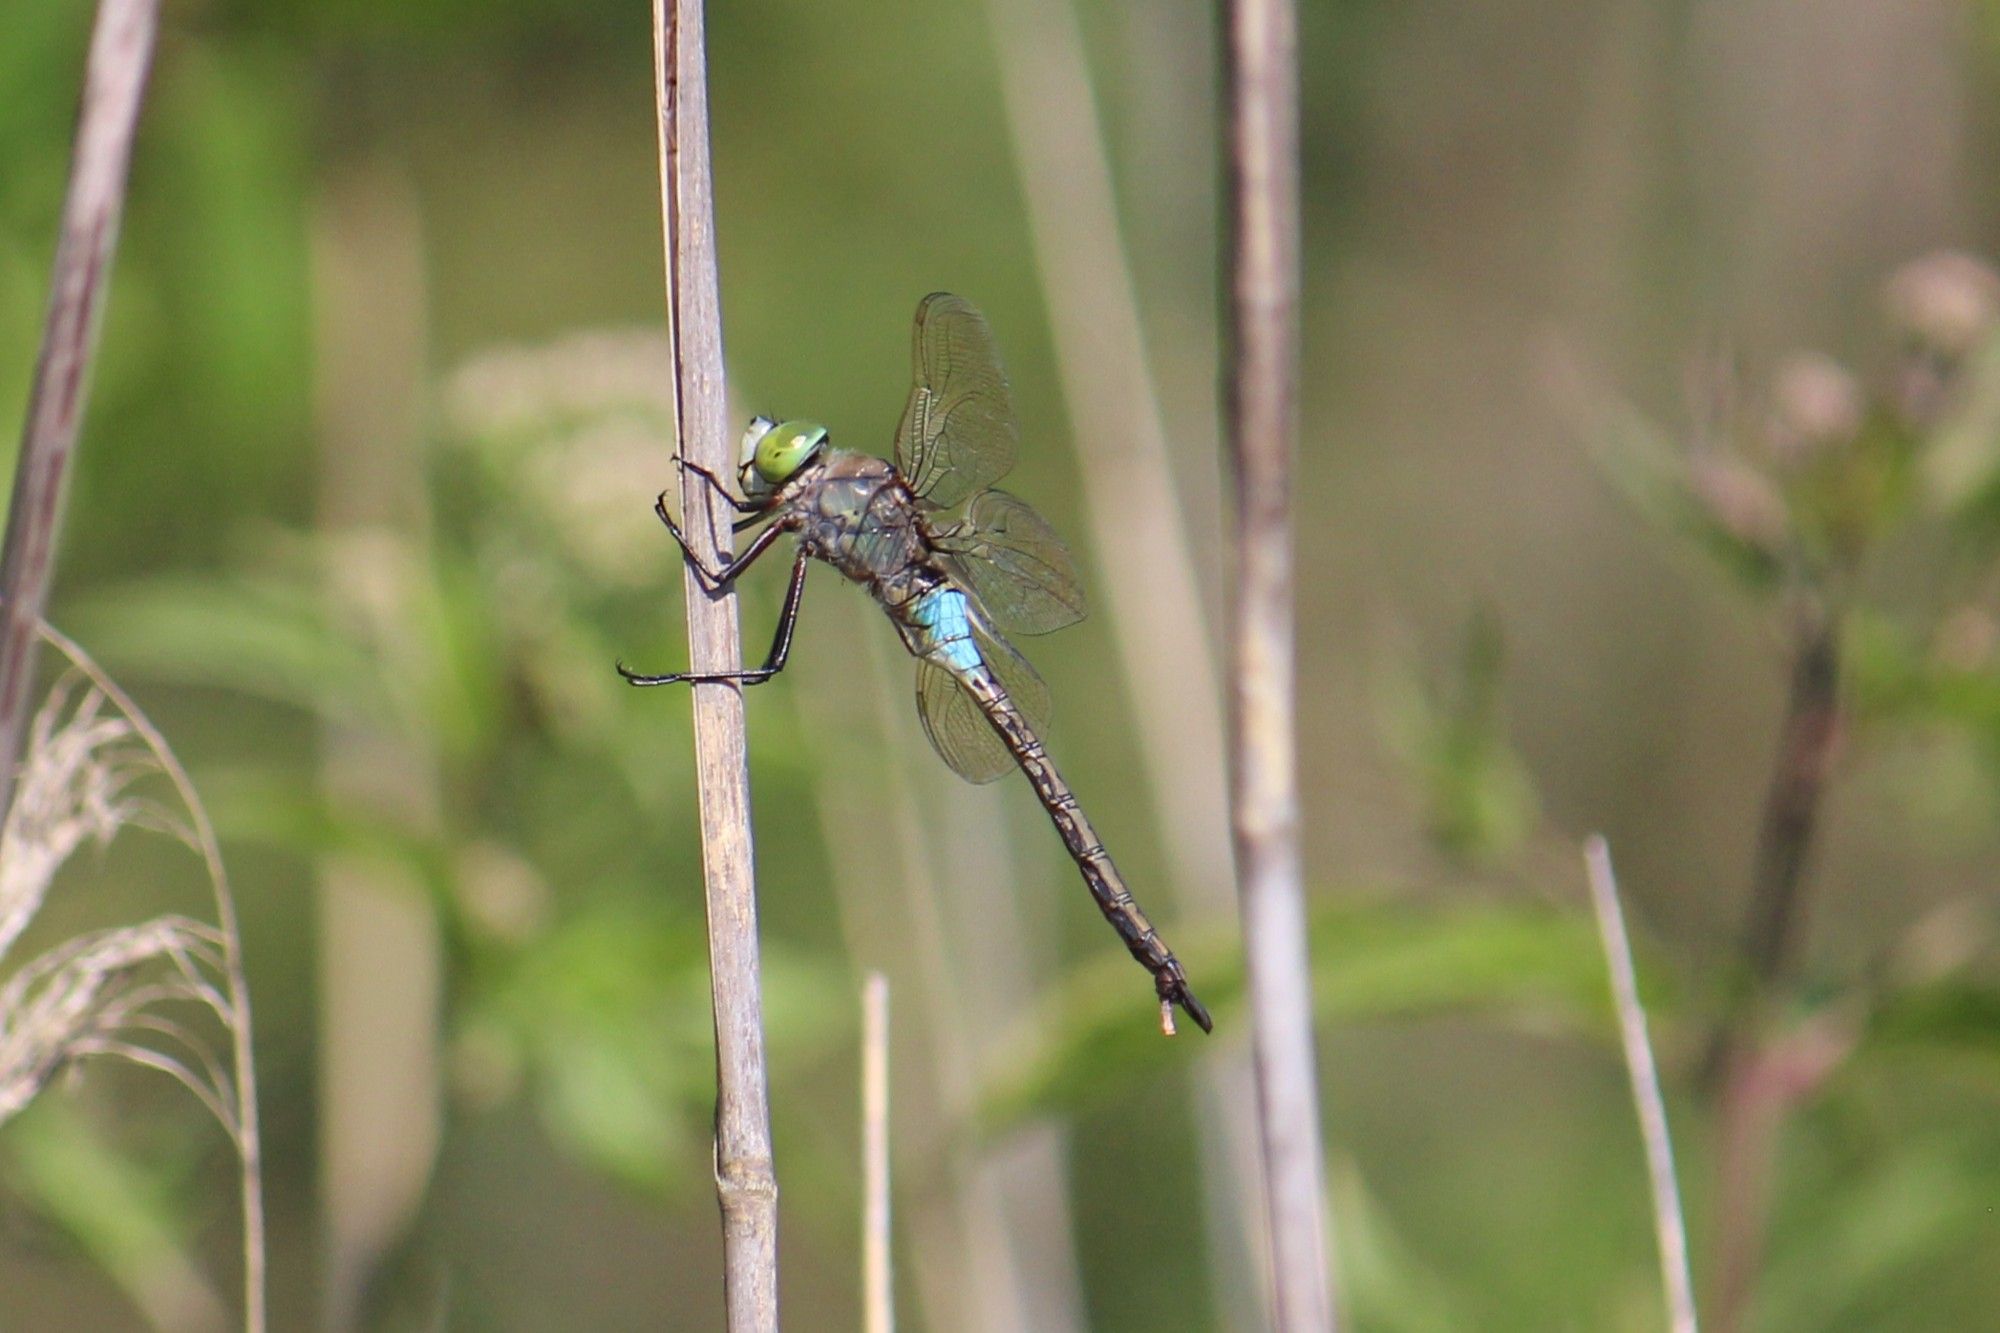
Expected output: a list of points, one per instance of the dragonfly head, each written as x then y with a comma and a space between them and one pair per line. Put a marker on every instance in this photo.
773, 452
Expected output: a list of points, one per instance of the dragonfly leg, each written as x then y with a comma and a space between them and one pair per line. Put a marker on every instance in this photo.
781, 644
715, 579
729, 497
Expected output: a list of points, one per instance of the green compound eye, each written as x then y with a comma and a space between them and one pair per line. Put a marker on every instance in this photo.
786, 448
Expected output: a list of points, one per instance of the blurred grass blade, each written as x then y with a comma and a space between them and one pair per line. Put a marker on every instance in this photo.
1388, 1286
265, 638
1880, 1230
1372, 962
1957, 1016
113, 1209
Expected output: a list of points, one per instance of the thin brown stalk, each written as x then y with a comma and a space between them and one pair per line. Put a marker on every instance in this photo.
1792, 802
243, 1123
878, 1296
1141, 536
746, 1181
1669, 1225
1262, 390
1751, 1121
114, 83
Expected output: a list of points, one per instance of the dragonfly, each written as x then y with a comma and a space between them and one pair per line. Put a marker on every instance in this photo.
955, 562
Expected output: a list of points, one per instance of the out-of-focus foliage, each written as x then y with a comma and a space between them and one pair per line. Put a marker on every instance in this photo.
1373, 962
1478, 800
592, 1000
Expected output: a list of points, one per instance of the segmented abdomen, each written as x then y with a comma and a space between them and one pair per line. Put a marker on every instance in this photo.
1106, 885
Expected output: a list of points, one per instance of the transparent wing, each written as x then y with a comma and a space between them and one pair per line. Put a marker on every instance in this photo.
1013, 560
958, 433
959, 731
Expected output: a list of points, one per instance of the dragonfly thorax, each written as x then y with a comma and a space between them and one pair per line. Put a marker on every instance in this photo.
854, 512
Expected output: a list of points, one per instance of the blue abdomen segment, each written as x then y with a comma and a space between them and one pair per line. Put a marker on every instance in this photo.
943, 620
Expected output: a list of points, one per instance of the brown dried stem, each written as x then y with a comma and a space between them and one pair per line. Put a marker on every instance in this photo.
114, 83
745, 1179
1751, 1120
1262, 389
1141, 536
1792, 803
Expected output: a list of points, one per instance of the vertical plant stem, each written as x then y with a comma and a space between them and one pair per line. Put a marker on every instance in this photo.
1752, 1120
878, 1293
1669, 1224
1262, 387
114, 83
378, 940
1141, 536
1792, 802
745, 1178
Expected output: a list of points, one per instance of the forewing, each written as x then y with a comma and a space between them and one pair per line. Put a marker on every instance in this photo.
1018, 566
958, 433
958, 729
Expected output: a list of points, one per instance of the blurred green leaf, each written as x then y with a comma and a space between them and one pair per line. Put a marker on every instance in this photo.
269, 638
1727, 517
1371, 962
286, 809
117, 1210
610, 1014
1384, 1284
1952, 1016
1921, 1202
435, 668
1479, 801
1961, 466
1896, 675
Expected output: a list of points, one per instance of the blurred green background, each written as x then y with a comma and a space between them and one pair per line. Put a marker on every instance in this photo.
361, 514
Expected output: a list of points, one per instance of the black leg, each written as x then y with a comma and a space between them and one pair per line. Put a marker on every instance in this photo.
716, 579
781, 644
729, 497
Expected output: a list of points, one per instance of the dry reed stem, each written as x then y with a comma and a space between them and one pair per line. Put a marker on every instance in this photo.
114, 83
1669, 1224
877, 1283
1141, 536
746, 1180
1262, 389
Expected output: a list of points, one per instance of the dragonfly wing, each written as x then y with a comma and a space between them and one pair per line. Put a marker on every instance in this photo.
1020, 569
958, 433
958, 730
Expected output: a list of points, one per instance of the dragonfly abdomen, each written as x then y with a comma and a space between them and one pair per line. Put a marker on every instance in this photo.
1100, 873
